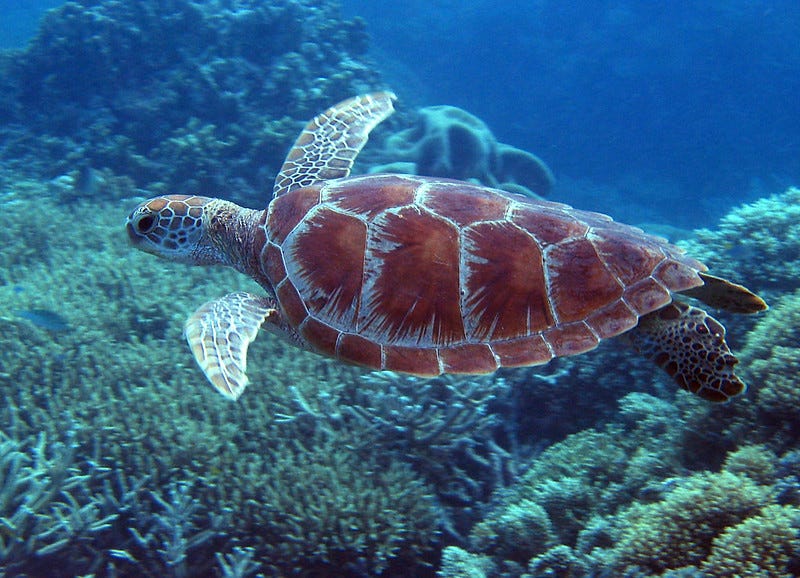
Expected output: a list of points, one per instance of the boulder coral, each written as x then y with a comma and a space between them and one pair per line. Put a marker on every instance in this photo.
449, 142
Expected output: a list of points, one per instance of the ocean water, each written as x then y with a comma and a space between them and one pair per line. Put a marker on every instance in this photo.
118, 458
688, 107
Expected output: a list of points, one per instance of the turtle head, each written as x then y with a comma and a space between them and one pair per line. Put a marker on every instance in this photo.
185, 228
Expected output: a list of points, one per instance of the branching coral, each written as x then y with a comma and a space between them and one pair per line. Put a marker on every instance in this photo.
46, 509
325, 506
445, 427
122, 384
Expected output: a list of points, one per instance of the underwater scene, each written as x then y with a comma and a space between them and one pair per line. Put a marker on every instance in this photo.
460, 375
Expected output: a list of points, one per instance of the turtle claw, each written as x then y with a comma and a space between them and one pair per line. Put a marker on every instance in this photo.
219, 333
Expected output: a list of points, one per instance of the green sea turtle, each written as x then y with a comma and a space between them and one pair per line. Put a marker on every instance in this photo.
430, 276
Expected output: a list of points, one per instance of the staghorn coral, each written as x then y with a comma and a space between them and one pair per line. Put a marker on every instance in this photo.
445, 427
323, 506
122, 386
46, 510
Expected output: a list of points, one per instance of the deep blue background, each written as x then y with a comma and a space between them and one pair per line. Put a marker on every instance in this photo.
681, 108
668, 111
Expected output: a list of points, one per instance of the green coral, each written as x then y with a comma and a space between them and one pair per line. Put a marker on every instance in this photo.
771, 364
757, 244
679, 530
762, 546
323, 505
516, 533
122, 384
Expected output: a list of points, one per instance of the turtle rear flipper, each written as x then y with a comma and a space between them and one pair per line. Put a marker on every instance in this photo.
722, 294
690, 346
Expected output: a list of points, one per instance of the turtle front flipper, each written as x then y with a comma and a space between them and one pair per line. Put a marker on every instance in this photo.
219, 334
690, 346
329, 144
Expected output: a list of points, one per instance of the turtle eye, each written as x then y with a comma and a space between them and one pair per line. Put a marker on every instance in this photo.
145, 224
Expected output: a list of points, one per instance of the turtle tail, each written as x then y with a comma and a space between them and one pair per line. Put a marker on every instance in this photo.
690, 346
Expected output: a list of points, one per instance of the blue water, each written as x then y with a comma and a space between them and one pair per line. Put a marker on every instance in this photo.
661, 111
696, 100
20, 20
664, 113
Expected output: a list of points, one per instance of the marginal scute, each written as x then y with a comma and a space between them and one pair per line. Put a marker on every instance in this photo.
504, 284
272, 264
293, 307
286, 211
612, 320
628, 258
321, 336
465, 204
579, 281
679, 276
411, 285
522, 352
647, 295
470, 358
570, 339
358, 350
422, 362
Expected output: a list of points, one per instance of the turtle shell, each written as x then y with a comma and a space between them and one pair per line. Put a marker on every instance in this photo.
429, 276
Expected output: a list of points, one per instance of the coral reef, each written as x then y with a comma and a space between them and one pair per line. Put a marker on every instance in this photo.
458, 563
115, 450
119, 386
757, 244
762, 546
678, 530
450, 142
180, 96
619, 501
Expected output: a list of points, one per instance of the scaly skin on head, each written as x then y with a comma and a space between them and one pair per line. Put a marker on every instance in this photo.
195, 230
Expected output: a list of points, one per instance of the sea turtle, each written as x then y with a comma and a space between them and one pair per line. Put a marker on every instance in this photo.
428, 276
